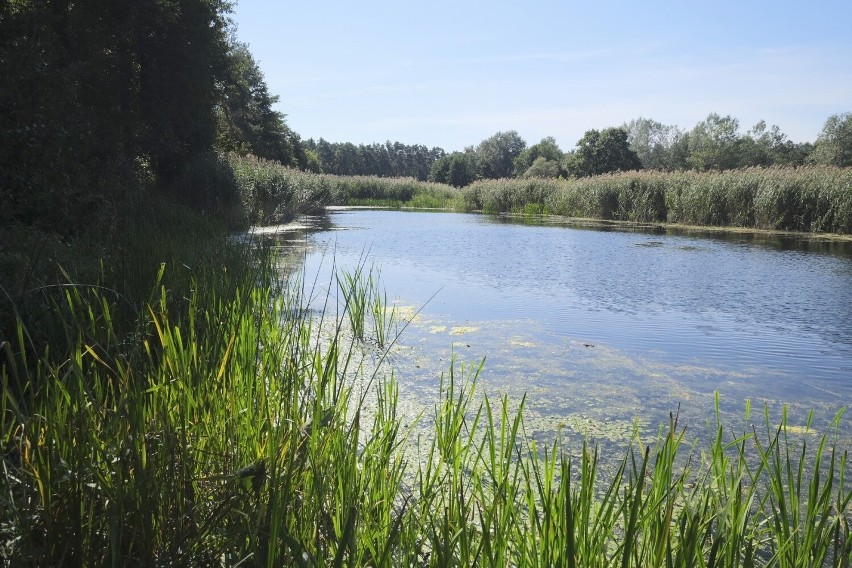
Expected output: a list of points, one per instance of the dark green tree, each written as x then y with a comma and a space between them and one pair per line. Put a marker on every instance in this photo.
462, 169
247, 123
182, 57
600, 152
391, 159
94, 92
547, 149
792, 153
458, 169
69, 109
766, 145
346, 160
325, 151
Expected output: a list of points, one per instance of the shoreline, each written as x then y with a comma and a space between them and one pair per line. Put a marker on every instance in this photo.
589, 222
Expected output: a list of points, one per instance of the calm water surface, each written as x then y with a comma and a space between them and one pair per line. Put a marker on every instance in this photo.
601, 326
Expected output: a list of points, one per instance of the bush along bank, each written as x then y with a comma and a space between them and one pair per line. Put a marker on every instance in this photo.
807, 199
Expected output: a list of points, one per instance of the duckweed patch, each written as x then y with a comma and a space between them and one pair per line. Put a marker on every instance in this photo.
407, 313
463, 329
799, 430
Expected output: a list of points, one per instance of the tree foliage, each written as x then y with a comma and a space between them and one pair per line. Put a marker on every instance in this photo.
92, 93
766, 146
713, 144
495, 156
391, 159
247, 123
457, 169
834, 144
544, 169
600, 152
547, 149
658, 146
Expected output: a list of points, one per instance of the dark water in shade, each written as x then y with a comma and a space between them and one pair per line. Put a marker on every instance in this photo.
571, 312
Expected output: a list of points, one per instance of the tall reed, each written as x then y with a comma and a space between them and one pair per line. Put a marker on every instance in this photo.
270, 192
220, 433
383, 313
231, 427
810, 199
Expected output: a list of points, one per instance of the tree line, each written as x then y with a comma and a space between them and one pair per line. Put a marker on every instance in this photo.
391, 159
714, 144
99, 97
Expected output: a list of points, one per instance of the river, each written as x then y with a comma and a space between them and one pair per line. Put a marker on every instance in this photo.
606, 328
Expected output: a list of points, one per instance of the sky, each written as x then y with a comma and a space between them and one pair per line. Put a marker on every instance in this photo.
452, 73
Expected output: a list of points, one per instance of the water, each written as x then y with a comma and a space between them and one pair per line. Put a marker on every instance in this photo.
604, 326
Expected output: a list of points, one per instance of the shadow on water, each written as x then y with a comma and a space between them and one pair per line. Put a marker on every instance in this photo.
837, 245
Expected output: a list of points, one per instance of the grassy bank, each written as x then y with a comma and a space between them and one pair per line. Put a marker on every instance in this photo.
812, 199
808, 199
206, 417
271, 192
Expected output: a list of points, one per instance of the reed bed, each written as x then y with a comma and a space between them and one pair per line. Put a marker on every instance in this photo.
230, 427
808, 199
270, 192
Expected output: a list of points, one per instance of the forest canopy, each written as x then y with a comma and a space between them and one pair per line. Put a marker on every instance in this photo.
98, 97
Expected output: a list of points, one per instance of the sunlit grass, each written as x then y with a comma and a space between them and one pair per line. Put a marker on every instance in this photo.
231, 427
809, 199
271, 192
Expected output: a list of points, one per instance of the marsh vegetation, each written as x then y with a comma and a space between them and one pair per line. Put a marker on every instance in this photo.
171, 398
807, 199
233, 417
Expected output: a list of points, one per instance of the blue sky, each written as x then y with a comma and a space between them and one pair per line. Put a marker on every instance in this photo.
450, 74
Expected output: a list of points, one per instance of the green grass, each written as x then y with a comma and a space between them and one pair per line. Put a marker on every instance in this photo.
205, 416
270, 192
248, 444
809, 199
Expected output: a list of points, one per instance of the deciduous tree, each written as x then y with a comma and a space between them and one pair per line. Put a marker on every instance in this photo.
495, 156
654, 143
834, 143
543, 168
92, 92
547, 149
714, 144
458, 169
600, 152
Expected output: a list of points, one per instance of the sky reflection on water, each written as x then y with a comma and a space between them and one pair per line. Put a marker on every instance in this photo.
608, 324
